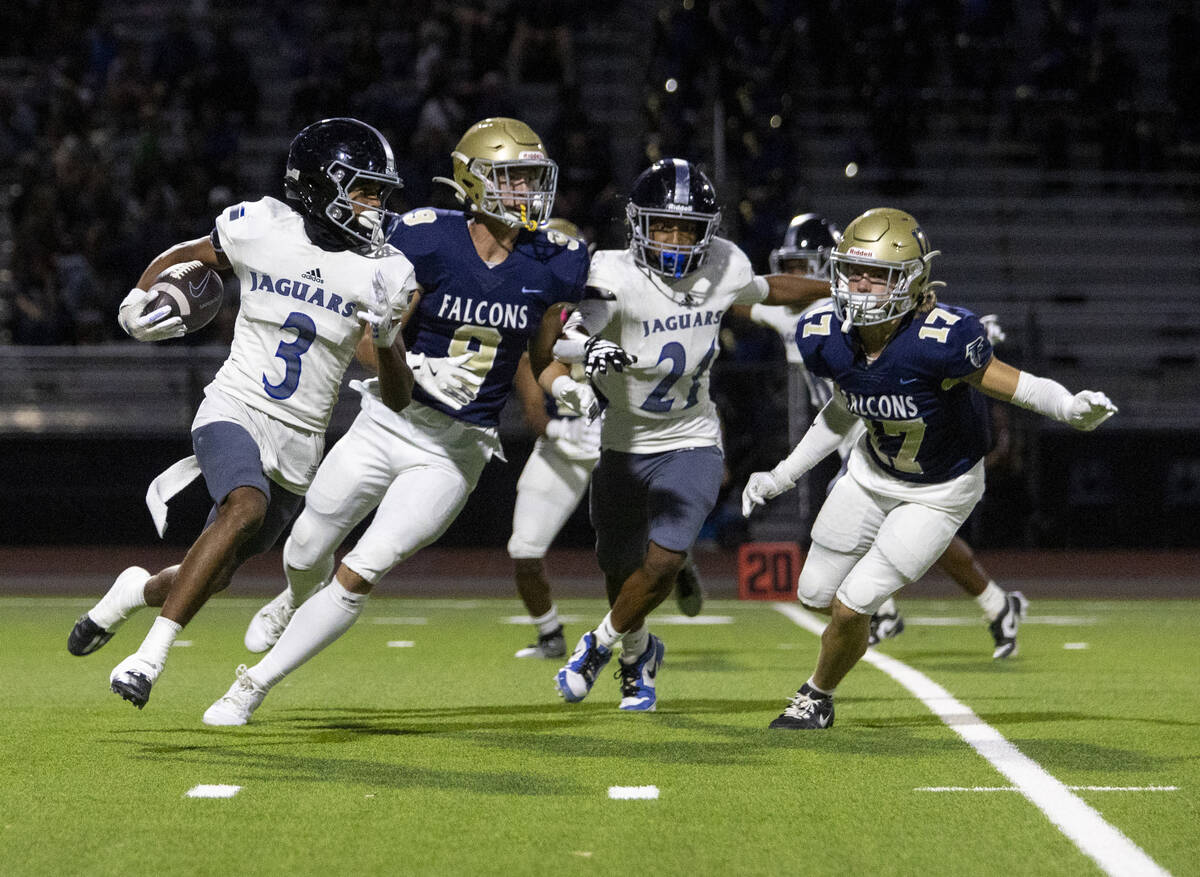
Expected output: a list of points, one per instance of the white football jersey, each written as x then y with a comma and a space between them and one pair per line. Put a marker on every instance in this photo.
784, 320
298, 322
661, 403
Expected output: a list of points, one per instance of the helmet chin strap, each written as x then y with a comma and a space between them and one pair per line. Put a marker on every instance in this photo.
530, 224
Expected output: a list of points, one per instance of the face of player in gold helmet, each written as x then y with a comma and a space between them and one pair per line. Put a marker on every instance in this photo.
502, 171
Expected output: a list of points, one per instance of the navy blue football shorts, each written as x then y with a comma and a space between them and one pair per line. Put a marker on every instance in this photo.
640, 498
229, 458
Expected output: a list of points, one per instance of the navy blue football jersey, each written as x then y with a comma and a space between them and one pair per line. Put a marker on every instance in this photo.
923, 423
492, 312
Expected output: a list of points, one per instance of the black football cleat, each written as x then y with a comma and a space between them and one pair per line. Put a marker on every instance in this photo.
689, 593
87, 636
806, 710
133, 687
1004, 628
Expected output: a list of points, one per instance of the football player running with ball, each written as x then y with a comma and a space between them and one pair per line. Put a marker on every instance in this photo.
905, 365
492, 285
313, 270
647, 333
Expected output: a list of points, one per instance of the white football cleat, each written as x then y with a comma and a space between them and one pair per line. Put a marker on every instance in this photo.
133, 679
269, 622
238, 704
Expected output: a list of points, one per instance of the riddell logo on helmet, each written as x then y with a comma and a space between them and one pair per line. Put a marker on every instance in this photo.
859, 251
532, 153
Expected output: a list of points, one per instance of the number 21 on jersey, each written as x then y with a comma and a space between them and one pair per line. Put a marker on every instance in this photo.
657, 401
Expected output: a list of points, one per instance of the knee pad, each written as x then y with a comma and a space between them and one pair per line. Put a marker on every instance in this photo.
822, 575
522, 548
303, 551
873, 579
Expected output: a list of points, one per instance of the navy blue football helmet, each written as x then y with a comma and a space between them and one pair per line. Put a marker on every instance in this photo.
809, 239
672, 189
332, 158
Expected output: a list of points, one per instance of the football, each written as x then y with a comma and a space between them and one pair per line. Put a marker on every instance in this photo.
192, 291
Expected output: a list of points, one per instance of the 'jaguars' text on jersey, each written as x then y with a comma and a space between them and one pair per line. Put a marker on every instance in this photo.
493, 312
297, 324
924, 423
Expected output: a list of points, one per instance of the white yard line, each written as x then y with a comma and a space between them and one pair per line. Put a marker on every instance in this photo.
1095, 838
212, 791
1072, 788
633, 793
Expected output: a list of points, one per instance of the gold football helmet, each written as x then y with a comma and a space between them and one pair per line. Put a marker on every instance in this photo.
887, 247
501, 170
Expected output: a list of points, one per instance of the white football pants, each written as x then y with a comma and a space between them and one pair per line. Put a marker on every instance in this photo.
419, 480
875, 534
548, 491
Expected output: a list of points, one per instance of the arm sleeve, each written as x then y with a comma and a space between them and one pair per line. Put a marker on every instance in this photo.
1046, 397
828, 429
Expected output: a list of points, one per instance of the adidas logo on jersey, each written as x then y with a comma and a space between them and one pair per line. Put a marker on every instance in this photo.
314, 275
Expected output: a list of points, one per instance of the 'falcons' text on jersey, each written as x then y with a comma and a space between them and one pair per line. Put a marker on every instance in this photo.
924, 423
493, 312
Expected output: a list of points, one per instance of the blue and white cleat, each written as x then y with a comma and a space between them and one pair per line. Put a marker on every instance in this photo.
575, 680
637, 678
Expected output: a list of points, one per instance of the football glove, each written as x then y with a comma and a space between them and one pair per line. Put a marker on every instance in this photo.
1088, 409
761, 487
580, 438
446, 378
575, 397
600, 355
151, 326
381, 314
991, 325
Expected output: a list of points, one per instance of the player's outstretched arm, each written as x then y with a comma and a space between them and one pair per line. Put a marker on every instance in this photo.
794, 290
1084, 410
828, 429
156, 325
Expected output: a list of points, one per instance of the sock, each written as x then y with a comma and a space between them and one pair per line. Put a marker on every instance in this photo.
991, 601
303, 583
634, 643
888, 607
606, 634
158, 641
127, 594
318, 622
549, 622
817, 691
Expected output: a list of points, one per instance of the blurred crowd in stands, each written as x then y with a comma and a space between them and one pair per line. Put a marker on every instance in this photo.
124, 127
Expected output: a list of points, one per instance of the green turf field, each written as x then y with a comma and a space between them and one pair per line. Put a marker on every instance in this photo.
448, 756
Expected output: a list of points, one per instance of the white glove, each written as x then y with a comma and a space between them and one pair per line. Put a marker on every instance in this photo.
583, 438
761, 487
991, 324
151, 326
446, 378
381, 314
575, 397
1089, 409
600, 355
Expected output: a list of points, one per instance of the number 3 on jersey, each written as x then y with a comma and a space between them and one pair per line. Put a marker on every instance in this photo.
657, 401
290, 352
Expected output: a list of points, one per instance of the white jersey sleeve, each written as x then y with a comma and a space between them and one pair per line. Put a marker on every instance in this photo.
298, 324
